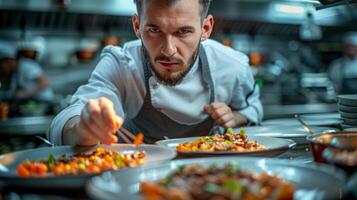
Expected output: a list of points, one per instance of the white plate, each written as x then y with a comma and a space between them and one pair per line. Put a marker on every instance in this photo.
349, 121
349, 109
348, 99
311, 181
348, 115
294, 132
9, 163
274, 147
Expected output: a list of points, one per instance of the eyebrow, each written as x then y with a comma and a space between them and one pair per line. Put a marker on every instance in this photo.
182, 27
151, 25
187, 27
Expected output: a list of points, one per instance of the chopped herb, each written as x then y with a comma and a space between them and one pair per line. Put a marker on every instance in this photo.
242, 131
167, 181
181, 168
228, 142
51, 160
233, 186
211, 187
230, 131
118, 160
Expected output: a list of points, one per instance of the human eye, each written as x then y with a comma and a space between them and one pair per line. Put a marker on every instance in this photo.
183, 32
154, 30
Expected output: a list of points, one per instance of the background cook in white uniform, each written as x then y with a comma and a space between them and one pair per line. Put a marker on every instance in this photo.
343, 71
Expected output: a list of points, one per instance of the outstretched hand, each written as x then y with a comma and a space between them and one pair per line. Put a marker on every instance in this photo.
98, 122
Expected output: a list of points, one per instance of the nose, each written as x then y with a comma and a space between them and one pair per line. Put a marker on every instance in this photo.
168, 47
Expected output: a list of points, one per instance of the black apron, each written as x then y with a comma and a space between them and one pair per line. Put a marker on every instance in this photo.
155, 125
349, 85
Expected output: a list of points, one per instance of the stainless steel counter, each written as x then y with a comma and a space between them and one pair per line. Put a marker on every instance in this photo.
284, 111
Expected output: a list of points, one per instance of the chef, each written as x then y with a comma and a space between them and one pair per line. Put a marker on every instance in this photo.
23, 78
172, 82
343, 71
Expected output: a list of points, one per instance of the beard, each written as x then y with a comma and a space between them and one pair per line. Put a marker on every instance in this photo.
170, 78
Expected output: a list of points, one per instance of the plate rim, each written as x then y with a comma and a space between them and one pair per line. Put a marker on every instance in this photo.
10, 176
324, 168
291, 145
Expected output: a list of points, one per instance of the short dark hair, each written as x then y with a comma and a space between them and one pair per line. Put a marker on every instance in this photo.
204, 6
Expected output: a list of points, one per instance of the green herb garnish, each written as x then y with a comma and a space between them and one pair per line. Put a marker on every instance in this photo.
51, 160
118, 160
242, 131
233, 186
181, 168
228, 142
167, 181
230, 131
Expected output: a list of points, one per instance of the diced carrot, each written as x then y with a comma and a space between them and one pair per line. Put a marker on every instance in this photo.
32, 167
139, 139
100, 150
22, 171
41, 168
105, 165
58, 169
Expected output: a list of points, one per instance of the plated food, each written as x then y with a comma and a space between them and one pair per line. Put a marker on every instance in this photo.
272, 147
9, 163
95, 162
217, 175
198, 182
229, 141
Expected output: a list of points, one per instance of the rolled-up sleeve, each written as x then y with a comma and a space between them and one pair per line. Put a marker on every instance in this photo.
102, 83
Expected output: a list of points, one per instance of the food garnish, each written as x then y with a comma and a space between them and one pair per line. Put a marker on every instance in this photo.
98, 161
229, 182
230, 141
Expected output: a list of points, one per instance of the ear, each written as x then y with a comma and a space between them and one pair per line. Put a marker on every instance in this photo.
136, 25
207, 27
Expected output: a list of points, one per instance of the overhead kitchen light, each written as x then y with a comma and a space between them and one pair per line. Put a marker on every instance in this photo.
289, 9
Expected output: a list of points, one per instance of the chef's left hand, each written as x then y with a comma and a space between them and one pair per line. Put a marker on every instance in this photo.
223, 115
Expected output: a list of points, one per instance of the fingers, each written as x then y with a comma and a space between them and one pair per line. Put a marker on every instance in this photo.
221, 114
217, 110
108, 114
93, 128
111, 119
100, 121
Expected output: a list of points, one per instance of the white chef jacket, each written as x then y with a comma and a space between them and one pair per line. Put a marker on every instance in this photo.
119, 76
27, 74
25, 78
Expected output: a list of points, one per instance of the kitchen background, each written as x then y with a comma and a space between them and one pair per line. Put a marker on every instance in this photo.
290, 44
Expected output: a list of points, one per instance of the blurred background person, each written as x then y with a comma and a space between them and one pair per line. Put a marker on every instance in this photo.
343, 71
23, 81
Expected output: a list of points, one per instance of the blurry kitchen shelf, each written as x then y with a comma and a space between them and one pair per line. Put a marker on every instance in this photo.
25, 125
283, 111
68, 77
108, 7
